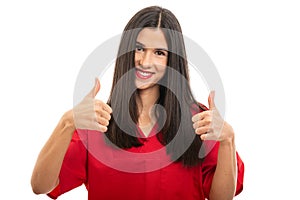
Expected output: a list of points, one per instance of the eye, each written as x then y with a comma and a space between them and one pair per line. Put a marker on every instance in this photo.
160, 53
139, 48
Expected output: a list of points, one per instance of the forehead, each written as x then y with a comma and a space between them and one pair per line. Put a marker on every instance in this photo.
152, 38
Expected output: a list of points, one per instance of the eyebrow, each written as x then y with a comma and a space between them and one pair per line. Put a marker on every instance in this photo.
141, 44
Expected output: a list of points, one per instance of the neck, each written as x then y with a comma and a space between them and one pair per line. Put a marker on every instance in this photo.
145, 102
147, 98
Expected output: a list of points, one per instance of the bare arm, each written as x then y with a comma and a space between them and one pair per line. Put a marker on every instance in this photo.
46, 171
89, 114
211, 126
224, 180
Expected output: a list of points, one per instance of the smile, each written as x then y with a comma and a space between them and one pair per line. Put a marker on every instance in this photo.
143, 74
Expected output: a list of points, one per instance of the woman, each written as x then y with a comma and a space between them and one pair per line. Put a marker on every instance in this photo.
144, 151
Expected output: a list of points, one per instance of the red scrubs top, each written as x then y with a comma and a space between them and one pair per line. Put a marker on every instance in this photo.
91, 161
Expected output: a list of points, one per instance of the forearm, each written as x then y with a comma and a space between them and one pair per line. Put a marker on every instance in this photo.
224, 180
46, 171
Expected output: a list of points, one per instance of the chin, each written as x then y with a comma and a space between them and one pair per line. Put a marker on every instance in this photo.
143, 86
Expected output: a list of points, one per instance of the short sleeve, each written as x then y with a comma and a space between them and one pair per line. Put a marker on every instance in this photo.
73, 170
209, 166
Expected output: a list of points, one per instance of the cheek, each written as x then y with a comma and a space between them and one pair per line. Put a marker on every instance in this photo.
162, 66
164, 61
161, 71
137, 57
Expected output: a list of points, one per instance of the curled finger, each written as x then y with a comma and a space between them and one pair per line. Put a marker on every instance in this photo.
208, 136
203, 122
102, 120
203, 130
200, 116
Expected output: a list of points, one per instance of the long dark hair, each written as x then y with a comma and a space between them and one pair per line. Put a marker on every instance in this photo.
122, 129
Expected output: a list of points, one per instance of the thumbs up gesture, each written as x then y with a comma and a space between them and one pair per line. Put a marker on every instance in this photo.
92, 114
210, 125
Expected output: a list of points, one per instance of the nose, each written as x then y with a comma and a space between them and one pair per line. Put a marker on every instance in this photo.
146, 59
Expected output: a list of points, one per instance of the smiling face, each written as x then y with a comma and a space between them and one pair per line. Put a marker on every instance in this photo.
151, 57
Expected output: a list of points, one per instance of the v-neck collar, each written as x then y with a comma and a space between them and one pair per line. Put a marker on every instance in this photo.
152, 132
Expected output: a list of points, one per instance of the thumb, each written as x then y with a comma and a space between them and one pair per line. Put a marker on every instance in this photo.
95, 89
211, 100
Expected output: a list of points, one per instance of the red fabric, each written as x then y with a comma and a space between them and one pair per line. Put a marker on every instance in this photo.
88, 166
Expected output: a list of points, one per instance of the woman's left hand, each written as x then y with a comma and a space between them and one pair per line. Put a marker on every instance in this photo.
210, 125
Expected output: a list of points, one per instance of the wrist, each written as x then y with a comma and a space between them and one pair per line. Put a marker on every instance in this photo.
228, 141
229, 135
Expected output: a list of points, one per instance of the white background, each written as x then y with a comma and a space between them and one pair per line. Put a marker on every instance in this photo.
255, 46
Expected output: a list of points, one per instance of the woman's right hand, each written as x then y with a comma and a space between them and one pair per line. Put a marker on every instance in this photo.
89, 114
92, 114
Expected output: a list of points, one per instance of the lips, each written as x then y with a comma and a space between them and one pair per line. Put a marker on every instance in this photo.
143, 74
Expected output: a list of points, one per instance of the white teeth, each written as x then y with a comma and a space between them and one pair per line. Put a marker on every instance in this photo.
145, 73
